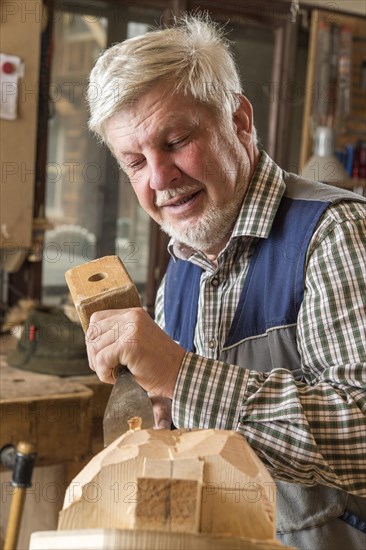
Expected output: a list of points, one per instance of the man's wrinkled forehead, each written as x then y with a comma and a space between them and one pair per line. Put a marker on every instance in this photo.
167, 111
129, 129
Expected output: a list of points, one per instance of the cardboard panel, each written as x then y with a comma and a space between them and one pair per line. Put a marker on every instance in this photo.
20, 30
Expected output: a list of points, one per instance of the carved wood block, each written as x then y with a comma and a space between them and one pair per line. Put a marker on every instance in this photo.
169, 495
202, 482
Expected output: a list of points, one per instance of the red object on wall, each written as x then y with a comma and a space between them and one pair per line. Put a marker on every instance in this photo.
8, 68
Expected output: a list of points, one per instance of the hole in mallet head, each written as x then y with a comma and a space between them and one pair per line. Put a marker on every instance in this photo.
97, 277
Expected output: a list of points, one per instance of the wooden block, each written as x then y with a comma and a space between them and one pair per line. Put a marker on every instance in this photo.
101, 284
115, 539
185, 505
169, 495
157, 468
222, 512
186, 468
176, 482
185, 495
153, 504
168, 505
107, 501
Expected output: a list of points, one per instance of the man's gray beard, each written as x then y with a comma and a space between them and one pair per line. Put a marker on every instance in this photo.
210, 230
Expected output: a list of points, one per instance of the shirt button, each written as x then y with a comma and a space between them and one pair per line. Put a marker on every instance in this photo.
215, 282
212, 344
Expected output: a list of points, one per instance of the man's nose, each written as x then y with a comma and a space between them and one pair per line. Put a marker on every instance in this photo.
163, 171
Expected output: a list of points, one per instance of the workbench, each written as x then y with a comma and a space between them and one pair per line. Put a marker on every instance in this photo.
63, 418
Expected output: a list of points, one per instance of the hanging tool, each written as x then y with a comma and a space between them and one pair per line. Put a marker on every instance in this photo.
100, 285
21, 461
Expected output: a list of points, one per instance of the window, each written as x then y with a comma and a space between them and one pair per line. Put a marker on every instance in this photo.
89, 202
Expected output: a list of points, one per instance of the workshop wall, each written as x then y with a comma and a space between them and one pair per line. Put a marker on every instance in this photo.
20, 28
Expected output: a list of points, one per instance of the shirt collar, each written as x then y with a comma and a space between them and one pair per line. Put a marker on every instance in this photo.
258, 210
261, 201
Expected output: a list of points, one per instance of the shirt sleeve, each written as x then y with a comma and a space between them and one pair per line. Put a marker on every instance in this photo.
311, 430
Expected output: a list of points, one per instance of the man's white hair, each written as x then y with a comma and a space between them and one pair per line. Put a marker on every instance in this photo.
192, 57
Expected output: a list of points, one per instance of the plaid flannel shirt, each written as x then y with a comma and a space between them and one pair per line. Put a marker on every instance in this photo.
308, 431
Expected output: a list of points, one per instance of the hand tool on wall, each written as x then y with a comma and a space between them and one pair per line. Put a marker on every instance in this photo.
100, 285
21, 461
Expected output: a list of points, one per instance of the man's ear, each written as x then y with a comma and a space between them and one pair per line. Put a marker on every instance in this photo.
243, 120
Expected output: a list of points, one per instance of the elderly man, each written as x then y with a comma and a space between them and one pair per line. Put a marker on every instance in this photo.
260, 319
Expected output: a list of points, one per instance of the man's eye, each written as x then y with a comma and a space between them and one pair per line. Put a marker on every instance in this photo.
178, 142
136, 164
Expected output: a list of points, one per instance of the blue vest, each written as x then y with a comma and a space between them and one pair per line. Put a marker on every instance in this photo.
263, 336
273, 288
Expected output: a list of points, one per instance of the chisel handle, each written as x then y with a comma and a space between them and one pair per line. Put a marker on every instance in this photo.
118, 370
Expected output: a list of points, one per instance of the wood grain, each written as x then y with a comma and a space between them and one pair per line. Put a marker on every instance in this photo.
222, 486
101, 284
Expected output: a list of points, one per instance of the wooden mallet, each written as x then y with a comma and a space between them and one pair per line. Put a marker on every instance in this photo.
105, 284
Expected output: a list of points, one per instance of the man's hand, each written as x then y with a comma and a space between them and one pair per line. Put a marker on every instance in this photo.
162, 407
130, 337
